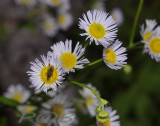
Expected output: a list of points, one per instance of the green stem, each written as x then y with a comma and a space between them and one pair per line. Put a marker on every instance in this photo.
93, 91
135, 23
95, 62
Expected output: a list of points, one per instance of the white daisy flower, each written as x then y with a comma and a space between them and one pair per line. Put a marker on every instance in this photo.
153, 47
49, 25
18, 93
65, 114
64, 20
112, 118
117, 16
90, 100
26, 108
114, 56
99, 27
70, 59
99, 5
29, 3
149, 30
46, 74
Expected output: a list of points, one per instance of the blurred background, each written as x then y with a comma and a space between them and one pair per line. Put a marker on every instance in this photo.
135, 95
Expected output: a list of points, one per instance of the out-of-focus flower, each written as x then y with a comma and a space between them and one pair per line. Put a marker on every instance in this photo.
64, 113
46, 74
99, 27
26, 108
114, 56
99, 6
149, 30
29, 3
49, 25
64, 6
70, 59
64, 20
18, 93
112, 118
90, 100
117, 16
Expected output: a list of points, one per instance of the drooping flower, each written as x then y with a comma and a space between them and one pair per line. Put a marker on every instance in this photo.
46, 74
90, 100
112, 118
70, 59
17, 93
114, 56
99, 27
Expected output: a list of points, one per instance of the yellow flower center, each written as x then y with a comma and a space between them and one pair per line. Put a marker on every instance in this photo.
25, 2
54, 1
147, 36
58, 109
155, 45
106, 124
69, 60
111, 56
49, 74
29, 108
48, 25
97, 30
88, 100
61, 19
17, 97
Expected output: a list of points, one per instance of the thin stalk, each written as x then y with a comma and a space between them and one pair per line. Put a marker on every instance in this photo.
95, 62
93, 91
135, 23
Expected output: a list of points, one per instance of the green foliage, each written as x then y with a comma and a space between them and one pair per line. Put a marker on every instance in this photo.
8, 101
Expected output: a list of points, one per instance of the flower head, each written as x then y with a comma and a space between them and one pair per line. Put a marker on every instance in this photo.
28, 3
49, 25
18, 93
114, 56
70, 59
99, 27
64, 20
112, 118
90, 100
62, 109
117, 16
46, 74
149, 30
26, 108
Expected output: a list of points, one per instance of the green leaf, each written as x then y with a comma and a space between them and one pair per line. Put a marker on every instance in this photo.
8, 101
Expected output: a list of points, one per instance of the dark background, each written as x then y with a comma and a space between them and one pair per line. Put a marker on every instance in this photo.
136, 96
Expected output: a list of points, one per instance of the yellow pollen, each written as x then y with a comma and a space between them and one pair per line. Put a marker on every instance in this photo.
97, 30
48, 25
49, 74
69, 60
106, 124
111, 56
25, 2
17, 97
62, 19
88, 100
154, 45
29, 108
55, 1
147, 36
58, 109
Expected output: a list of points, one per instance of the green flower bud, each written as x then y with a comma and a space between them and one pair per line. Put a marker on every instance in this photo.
102, 117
